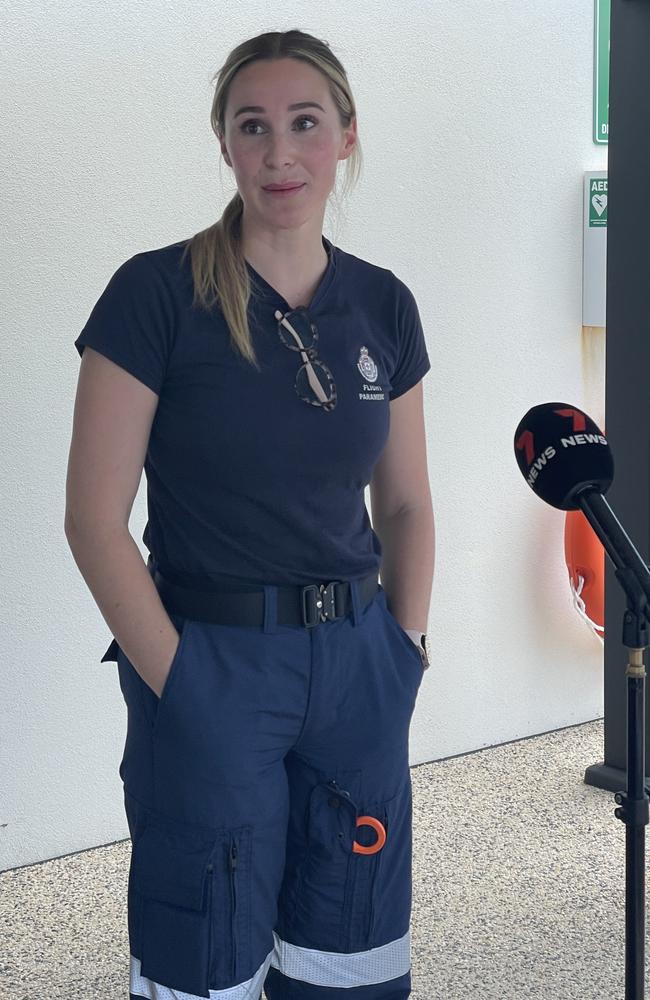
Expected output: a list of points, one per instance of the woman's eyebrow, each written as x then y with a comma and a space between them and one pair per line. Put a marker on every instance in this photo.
292, 107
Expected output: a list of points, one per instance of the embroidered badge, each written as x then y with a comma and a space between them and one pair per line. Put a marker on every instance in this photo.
369, 370
366, 365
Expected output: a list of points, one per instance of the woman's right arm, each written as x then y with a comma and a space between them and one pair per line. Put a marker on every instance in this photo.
113, 414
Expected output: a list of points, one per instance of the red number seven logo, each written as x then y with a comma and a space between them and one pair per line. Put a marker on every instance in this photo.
579, 420
527, 442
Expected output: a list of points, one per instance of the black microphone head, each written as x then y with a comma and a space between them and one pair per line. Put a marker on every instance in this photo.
561, 452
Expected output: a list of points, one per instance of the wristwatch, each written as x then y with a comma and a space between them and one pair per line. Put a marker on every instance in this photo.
420, 640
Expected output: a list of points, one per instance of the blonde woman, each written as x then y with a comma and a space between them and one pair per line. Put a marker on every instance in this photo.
263, 377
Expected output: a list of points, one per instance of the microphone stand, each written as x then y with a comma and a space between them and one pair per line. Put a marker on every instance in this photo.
633, 804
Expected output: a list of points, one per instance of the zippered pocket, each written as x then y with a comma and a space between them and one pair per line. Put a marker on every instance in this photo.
361, 883
231, 950
375, 877
234, 936
379, 890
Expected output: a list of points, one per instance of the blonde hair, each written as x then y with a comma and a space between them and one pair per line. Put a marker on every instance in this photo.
218, 266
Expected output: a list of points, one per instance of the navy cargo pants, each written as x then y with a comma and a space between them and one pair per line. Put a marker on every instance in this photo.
268, 797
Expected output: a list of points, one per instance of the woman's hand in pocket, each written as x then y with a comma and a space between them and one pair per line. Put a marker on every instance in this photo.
155, 677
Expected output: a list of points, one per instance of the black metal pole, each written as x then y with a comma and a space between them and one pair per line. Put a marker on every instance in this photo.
634, 814
634, 808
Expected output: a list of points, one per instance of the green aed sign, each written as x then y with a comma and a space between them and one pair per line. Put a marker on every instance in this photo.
598, 202
602, 18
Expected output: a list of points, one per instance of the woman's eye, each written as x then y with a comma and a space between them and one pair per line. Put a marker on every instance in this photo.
253, 121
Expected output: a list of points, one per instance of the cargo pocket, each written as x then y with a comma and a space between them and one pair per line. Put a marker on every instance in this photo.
378, 889
195, 906
313, 906
172, 870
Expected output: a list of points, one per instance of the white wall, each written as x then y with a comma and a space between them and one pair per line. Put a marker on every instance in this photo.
475, 119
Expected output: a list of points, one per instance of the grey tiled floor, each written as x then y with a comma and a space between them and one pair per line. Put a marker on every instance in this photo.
519, 888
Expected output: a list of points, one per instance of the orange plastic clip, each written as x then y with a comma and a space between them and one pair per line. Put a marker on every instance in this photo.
381, 836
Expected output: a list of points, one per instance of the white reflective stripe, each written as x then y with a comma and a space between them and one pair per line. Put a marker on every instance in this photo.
335, 968
250, 990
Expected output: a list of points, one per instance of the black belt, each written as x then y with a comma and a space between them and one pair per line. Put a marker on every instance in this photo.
296, 605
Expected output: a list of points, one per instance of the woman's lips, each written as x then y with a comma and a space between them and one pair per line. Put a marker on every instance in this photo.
283, 192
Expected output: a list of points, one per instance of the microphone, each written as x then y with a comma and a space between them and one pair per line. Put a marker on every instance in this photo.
566, 460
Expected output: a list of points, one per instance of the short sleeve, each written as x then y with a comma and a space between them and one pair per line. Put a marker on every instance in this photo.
413, 360
132, 322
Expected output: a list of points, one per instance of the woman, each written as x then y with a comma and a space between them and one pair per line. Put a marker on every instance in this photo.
263, 377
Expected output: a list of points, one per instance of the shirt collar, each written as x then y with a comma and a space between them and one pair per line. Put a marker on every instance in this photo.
262, 290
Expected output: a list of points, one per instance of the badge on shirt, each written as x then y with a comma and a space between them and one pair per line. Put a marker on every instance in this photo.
366, 365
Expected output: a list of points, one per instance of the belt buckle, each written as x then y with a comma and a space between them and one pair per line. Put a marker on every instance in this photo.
321, 604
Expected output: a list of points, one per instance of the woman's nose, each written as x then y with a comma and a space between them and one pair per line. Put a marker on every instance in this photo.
279, 148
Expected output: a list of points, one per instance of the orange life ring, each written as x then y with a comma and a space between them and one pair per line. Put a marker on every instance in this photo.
585, 559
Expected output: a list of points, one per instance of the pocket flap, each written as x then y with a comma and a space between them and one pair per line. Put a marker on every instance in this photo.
171, 866
111, 652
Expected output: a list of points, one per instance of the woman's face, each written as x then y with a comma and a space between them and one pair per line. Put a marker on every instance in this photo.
277, 145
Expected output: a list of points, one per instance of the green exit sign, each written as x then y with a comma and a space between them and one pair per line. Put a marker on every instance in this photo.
602, 17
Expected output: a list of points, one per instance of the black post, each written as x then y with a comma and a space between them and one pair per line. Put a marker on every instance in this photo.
635, 844
627, 398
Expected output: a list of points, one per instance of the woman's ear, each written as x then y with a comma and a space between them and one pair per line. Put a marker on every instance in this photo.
224, 151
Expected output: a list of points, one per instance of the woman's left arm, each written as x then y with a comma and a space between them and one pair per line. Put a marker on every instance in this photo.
402, 513
408, 555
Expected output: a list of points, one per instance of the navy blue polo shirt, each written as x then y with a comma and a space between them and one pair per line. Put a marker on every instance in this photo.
247, 483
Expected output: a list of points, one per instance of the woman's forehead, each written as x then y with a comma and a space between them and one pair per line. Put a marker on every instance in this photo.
276, 84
